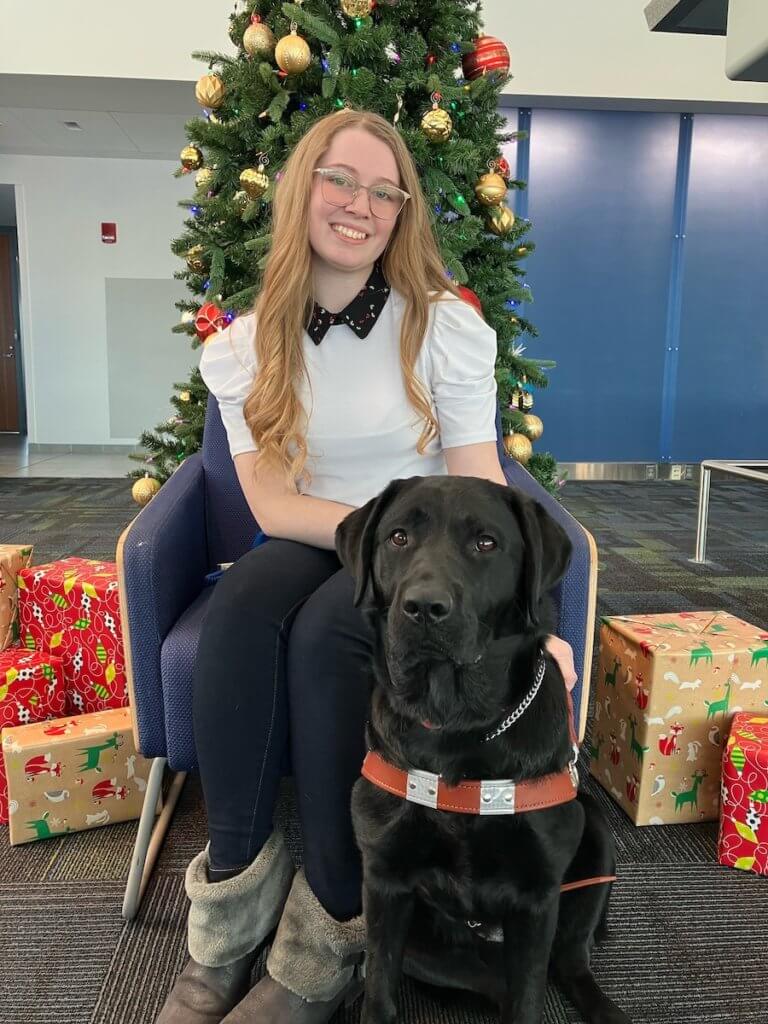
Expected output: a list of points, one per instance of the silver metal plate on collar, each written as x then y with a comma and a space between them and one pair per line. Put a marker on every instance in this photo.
497, 796
572, 768
421, 788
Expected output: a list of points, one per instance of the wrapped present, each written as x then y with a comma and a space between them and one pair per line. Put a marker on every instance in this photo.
31, 690
72, 774
13, 558
667, 686
743, 838
71, 608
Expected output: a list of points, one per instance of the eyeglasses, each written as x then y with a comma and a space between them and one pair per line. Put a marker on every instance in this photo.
340, 189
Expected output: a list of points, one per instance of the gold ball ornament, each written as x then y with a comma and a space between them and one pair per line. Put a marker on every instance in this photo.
241, 200
356, 8
491, 189
185, 396
501, 220
436, 123
292, 53
253, 180
191, 158
533, 426
204, 177
519, 447
144, 490
194, 258
209, 91
259, 39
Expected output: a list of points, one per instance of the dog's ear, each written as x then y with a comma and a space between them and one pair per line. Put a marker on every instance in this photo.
355, 535
547, 550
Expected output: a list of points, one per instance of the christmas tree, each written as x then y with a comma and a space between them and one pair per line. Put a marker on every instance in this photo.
425, 67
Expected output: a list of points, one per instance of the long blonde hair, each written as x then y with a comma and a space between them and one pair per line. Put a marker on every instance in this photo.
412, 264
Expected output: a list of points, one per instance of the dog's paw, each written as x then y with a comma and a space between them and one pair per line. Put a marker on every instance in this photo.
375, 1013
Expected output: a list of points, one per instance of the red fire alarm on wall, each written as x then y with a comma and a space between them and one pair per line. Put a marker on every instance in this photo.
108, 232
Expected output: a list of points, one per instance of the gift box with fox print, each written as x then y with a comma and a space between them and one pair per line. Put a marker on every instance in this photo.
71, 774
666, 690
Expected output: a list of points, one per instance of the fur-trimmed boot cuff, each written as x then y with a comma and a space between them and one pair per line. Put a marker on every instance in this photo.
313, 954
229, 919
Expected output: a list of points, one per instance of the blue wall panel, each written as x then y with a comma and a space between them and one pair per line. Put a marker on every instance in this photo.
601, 194
721, 409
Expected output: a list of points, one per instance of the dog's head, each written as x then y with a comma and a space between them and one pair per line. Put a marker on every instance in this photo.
446, 566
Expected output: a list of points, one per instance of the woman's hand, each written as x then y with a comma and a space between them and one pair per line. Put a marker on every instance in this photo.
562, 652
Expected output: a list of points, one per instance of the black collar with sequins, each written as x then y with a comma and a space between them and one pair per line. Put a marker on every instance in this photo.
360, 314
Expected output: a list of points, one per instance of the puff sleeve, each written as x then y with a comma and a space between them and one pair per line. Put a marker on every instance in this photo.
463, 358
228, 366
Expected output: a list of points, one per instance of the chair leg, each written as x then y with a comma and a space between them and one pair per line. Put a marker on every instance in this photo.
149, 838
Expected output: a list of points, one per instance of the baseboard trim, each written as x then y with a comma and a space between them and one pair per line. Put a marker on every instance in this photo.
630, 471
82, 449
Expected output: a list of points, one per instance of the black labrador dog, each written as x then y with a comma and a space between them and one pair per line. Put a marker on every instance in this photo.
453, 573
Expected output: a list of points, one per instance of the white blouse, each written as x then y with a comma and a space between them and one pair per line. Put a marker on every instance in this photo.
361, 429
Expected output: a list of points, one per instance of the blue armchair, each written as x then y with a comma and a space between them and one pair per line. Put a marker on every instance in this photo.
200, 519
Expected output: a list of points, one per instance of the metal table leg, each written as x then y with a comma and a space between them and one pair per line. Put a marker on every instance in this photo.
703, 519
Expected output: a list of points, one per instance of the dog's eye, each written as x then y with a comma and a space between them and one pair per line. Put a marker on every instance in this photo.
399, 538
485, 543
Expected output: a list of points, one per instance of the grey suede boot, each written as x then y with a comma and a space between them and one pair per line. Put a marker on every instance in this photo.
228, 923
314, 965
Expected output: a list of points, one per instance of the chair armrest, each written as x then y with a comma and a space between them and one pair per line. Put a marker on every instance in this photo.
162, 559
576, 595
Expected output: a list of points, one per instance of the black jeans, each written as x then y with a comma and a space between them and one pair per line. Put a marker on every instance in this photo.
283, 648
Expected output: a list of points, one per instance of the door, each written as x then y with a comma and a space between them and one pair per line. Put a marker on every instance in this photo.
9, 369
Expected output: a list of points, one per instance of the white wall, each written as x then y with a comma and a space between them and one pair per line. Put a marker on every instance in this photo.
604, 49
61, 203
561, 49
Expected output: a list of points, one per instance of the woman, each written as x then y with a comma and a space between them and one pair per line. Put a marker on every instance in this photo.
359, 364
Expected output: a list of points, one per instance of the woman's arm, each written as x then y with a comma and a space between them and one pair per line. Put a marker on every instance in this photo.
282, 512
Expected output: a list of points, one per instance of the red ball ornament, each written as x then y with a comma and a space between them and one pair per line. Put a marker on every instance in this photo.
504, 169
209, 319
469, 296
489, 54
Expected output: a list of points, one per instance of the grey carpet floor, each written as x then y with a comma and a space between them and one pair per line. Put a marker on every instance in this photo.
688, 938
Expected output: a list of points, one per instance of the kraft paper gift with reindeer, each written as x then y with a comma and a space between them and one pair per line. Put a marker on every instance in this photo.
667, 686
72, 774
31, 690
13, 558
743, 838
71, 608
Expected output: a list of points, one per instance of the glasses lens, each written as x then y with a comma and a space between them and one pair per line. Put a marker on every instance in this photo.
386, 203
338, 189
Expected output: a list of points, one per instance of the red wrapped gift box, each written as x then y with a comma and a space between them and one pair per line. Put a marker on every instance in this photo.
31, 690
743, 839
71, 609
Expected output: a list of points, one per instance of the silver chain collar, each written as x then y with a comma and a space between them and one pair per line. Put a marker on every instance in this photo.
524, 704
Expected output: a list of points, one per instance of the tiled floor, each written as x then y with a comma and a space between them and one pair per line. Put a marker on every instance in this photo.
17, 461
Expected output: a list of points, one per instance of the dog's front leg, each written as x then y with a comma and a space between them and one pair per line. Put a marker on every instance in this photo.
388, 916
528, 937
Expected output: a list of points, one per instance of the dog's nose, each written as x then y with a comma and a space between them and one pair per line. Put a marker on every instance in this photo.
427, 603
